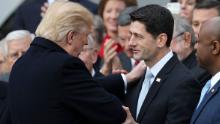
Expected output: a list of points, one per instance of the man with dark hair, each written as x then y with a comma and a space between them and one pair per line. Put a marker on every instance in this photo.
208, 56
50, 85
126, 56
168, 93
203, 11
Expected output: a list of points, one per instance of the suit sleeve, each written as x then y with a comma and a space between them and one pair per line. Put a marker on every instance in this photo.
84, 95
113, 84
183, 102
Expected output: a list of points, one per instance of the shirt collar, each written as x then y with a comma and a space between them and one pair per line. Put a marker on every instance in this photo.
93, 72
215, 79
159, 65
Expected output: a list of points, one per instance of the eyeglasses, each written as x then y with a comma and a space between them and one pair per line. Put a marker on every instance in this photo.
16, 55
176, 36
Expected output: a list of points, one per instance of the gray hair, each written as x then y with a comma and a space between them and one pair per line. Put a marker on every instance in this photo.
3, 49
91, 42
98, 28
124, 18
16, 35
181, 25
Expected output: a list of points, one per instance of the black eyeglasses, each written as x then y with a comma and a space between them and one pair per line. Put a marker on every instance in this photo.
178, 35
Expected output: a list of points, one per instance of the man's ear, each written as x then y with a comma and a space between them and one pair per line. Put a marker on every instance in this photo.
70, 36
94, 56
187, 39
161, 40
215, 47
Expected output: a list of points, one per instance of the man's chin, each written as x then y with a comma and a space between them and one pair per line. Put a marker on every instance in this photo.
136, 57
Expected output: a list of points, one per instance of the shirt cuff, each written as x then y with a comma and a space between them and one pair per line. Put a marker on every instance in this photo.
125, 82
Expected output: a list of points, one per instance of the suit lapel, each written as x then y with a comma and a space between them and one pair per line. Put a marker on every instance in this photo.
158, 82
135, 97
205, 100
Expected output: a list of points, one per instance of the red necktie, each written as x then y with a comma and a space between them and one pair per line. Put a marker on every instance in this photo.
136, 62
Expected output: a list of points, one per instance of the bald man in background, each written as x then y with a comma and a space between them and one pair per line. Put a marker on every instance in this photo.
208, 56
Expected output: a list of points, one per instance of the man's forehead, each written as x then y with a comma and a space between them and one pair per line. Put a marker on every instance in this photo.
205, 13
137, 27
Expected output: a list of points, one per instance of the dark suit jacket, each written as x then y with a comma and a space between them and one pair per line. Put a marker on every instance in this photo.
48, 86
170, 100
200, 74
27, 16
209, 109
125, 61
113, 83
3, 95
4, 113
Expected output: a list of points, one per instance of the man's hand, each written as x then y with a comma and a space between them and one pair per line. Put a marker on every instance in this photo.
119, 71
136, 72
109, 54
44, 9
129, 119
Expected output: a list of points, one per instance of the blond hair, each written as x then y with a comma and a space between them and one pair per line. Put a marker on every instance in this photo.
62, 17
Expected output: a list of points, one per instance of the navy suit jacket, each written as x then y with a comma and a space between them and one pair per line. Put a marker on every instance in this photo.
209, 109
171, 98
48, 86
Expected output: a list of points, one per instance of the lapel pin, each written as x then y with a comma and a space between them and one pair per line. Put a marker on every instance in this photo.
158, 79
213, 90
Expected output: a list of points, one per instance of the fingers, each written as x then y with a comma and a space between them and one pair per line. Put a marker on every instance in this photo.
141, 65
108, 46
136, 73
44, 9
127, 111
109, 51
119, 71
129, 119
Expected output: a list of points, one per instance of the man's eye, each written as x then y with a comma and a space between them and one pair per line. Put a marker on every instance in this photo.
195, 24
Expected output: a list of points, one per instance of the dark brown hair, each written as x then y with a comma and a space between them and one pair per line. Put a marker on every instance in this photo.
103, 3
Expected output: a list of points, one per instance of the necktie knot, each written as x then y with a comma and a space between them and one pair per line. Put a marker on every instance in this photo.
149, 75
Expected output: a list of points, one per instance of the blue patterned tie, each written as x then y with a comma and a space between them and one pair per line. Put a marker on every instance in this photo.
205, 89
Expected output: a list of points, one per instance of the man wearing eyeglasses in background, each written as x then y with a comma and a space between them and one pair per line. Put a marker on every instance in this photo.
183, 45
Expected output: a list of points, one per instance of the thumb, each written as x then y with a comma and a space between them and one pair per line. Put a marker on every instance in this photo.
127, 111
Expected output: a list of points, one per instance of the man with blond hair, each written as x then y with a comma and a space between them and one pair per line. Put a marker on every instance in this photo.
50, 84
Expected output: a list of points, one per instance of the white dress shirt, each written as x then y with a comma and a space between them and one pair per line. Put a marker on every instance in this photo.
215, 79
